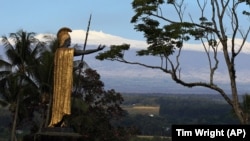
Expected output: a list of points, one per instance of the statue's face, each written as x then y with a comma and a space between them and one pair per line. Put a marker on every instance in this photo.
67, 42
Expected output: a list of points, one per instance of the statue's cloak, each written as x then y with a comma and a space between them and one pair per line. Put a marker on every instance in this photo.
62, 88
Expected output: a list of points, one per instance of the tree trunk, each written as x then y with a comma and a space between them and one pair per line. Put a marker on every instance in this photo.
240, 114
13, 131
48, 111
232, 76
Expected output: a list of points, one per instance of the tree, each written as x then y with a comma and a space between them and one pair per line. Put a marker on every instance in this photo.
43, 75
17, 85
217, 28
246, 103
94, 109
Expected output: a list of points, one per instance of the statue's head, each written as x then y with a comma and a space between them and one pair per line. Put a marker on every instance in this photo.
64, 37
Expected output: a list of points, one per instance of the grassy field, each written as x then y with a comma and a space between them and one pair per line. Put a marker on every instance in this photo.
142, 109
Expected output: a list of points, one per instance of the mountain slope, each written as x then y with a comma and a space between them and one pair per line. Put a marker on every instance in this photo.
130, 78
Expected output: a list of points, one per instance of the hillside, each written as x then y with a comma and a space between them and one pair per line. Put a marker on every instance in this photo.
153, 114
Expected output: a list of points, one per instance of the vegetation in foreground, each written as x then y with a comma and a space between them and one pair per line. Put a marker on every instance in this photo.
173, 109
26, 92
26, 74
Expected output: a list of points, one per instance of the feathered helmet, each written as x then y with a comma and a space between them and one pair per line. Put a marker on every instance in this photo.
63, 36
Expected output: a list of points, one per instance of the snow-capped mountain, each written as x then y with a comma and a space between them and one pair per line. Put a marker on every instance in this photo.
131, 78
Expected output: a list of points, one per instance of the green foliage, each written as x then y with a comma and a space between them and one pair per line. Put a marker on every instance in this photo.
94, 108
115, 52
23, 56
144, 7
161, 40
18, 87
166, 35
164, 39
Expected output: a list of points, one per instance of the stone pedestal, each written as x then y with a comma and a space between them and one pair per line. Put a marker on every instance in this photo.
57, 134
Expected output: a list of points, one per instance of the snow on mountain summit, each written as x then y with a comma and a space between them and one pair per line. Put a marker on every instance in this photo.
99, 37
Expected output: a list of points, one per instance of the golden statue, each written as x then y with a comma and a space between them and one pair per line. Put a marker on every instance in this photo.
63, 75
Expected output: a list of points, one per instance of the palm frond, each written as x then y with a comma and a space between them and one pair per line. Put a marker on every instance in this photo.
4, 74
5, 65
6, 43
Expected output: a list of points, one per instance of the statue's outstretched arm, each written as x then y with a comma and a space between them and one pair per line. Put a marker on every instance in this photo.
82, 52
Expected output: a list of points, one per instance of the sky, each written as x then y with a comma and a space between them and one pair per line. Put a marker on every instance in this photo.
111, 17
47, 16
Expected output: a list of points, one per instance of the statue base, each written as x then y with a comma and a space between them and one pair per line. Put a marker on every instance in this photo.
56, 134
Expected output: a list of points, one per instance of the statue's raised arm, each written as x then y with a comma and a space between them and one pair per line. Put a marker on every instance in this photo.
83, 52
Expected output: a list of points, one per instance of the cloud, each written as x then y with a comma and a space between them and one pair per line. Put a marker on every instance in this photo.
99, 37
237, 43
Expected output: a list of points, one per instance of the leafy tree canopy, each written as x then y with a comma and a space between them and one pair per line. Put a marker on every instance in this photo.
167, 25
